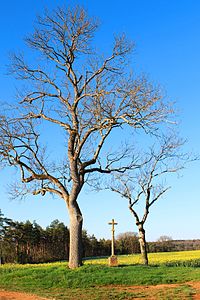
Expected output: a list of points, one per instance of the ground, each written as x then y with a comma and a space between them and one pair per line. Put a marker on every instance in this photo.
6, 295
162, 291
166, 291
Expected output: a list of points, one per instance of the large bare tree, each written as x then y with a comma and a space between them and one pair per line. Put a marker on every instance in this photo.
147, 184
87, 96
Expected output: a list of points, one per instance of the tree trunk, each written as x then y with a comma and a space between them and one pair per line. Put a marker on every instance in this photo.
143, 245
75, 247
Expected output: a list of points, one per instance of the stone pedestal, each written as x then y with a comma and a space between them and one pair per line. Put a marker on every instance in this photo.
112, 261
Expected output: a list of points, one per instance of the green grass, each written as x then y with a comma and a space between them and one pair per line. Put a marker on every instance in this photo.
95, 278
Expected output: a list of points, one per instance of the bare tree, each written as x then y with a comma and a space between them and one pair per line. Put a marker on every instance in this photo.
87, 96
146, 186
164, 238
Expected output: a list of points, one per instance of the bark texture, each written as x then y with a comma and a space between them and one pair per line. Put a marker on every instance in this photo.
143, 245
76, 222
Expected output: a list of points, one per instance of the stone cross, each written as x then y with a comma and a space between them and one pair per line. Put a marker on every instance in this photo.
113, 223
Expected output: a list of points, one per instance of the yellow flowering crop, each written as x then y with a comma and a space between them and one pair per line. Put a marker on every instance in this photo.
154, 258
134, 259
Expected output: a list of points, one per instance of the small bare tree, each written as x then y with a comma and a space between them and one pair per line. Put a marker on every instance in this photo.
145, 187
87, 96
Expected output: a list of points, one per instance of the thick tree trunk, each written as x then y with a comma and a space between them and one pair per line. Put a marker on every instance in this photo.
143, 245
75, 247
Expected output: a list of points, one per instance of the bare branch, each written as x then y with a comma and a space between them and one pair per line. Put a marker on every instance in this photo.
144, 187
88, 97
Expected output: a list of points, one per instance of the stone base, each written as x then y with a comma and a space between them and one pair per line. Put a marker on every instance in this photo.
112, 261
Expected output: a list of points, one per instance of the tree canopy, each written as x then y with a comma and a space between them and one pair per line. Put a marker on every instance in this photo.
88, 95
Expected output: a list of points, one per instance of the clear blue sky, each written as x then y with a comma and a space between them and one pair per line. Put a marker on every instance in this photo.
167, 38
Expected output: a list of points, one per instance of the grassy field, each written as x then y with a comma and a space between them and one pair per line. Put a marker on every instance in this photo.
95, 280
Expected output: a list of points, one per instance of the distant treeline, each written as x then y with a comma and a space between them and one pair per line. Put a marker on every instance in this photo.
27, 242
173, 245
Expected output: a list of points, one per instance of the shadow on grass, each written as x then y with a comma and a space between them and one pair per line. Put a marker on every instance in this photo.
134, 265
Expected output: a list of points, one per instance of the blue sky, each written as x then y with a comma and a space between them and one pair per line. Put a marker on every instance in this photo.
167, 38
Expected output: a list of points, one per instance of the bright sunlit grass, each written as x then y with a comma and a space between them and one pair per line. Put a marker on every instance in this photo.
92, 281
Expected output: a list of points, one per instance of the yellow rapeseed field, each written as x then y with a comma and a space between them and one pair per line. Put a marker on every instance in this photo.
154, 258
133, 259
